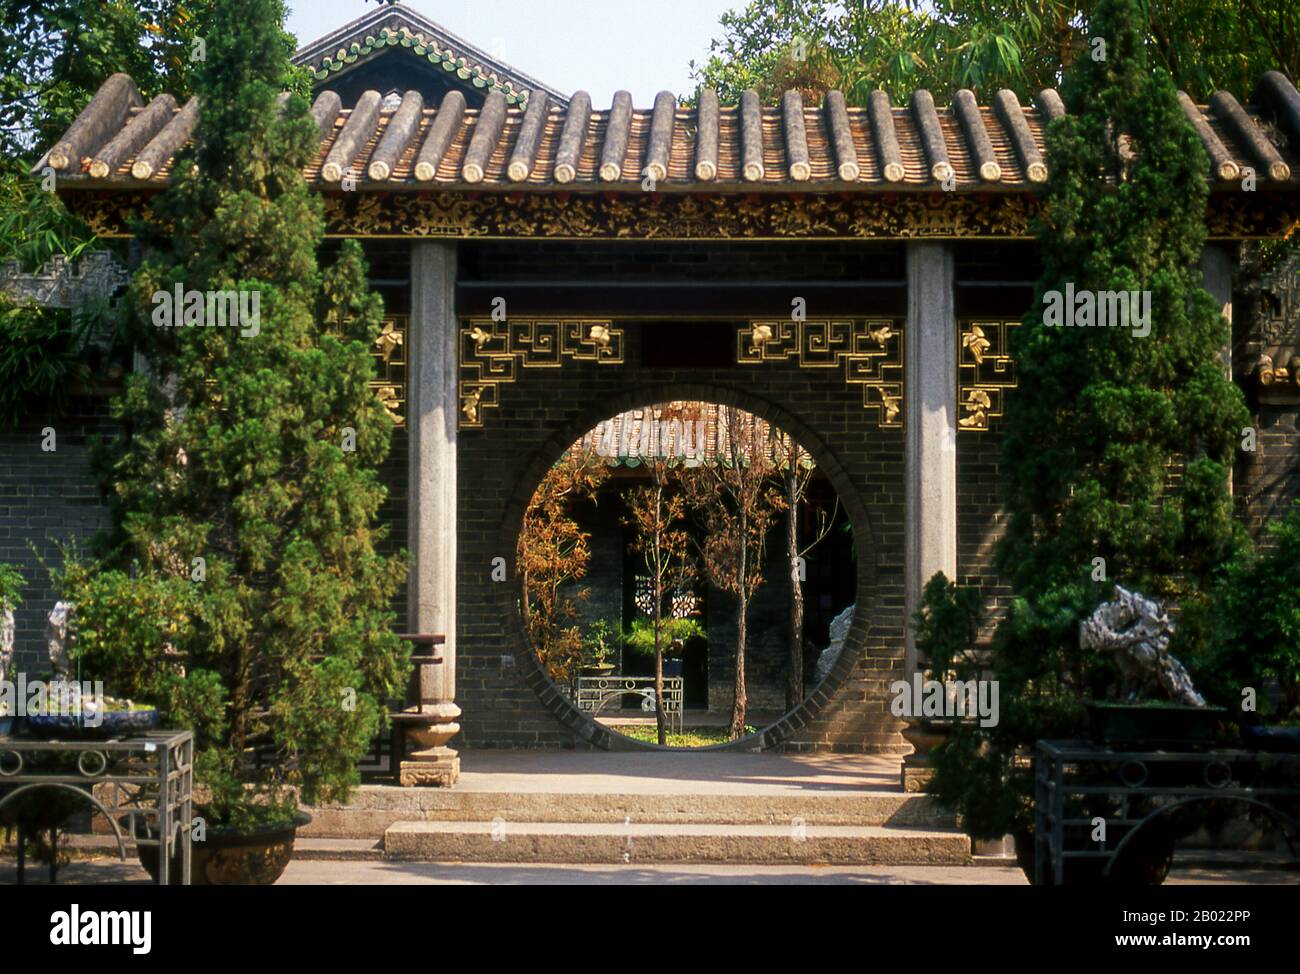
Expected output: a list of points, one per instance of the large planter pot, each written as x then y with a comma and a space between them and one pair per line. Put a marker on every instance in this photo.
114, 723
229, 857
604, 669
1137, 726
673, 667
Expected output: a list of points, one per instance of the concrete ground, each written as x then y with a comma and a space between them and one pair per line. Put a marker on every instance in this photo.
674, 772
336, 873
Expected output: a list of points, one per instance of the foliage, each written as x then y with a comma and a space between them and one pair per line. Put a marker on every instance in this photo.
1117, 447
246, 463
1255, 613
11, 586
551, 556
737, 507
599, 642
674, 633
43, 351
985, 45
946, 625
657, 517
694, 737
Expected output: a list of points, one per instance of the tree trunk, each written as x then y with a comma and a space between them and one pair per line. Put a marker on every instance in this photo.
742, 591
794, 681
660, 720
742, 699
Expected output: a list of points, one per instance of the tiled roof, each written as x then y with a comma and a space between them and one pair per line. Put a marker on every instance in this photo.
750, 147
690, 433
395, 26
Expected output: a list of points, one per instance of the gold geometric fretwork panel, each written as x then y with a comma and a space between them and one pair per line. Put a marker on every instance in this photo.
492, 352
985, 371
870, 351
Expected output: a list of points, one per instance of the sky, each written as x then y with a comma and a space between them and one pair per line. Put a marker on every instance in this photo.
597, 45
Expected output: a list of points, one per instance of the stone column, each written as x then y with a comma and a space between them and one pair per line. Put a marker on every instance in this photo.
930, 446
432, 412
1216, 270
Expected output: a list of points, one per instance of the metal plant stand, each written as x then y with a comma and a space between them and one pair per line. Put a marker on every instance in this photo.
144, 780
597, 692
1076, 782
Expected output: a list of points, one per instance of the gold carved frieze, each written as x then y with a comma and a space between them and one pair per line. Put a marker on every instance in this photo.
695, 216
869, 351
985, 371
493, 352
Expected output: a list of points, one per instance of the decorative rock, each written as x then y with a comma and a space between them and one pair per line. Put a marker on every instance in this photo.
839, 631
1137, 630
57, 635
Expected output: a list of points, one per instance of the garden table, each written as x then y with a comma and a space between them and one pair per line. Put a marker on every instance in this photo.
596, 692
1077, 782
148, 778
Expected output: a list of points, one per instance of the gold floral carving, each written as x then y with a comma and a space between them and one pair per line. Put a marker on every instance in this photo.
696, 216
985, 371
389, 351
870, 352
492, 352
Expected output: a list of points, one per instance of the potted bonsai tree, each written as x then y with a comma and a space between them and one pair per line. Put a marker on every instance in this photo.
598, 648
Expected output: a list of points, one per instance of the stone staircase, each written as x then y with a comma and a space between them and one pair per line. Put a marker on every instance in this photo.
843, 827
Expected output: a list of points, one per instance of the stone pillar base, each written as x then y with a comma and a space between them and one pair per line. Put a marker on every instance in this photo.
438, 767
916, 775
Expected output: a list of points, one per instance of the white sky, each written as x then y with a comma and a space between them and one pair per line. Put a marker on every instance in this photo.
597, 45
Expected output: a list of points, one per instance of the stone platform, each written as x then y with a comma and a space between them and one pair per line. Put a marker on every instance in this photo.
598, 807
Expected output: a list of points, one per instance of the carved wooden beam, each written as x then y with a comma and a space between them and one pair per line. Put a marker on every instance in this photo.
977, 136
1050, 104
99, 119
1221, 162
1229, 111
165, 144
1276, 89
446, 123
402, 127
751, 136
886, 139
617, 132
137, 133
846, 153
324, 110
796, 136
661, 137
524, 156
1012, 116
927, 124
487, 133
706, 136
573, 137
356, 133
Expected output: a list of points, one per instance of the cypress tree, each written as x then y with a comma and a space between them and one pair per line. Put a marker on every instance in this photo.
247, 462
1118, 443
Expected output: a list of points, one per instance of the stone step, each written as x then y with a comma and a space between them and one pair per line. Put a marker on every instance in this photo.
579, 842
374, 808
335, 849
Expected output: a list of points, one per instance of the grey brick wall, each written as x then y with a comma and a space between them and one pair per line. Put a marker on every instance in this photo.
47, 499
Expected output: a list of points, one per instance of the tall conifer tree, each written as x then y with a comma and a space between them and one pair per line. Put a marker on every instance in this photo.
255, 448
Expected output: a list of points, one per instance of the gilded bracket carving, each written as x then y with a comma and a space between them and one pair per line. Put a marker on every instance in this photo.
492, 352
985, 371
870, 351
